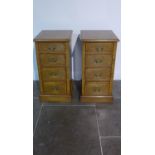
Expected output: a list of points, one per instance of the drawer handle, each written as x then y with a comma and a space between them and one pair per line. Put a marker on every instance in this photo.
53, 74
56, 88
98, 60
51, 48
99, 49
52, 59
97, 89
98, 75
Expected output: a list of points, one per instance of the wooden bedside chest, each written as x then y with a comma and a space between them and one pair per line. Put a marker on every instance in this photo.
54, 65
98, 60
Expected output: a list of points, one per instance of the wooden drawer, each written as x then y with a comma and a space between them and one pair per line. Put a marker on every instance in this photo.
99, 47
98, 60
51, 47
52, 60
98, 74
97, 88
54, 88
49, 74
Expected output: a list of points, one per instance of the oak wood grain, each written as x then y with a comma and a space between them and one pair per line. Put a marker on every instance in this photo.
98, 62
53, 35
53, 59
98, 35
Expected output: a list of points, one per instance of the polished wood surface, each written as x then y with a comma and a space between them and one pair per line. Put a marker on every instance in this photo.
98, 74
99, 48
54, 35
53, 58
50, 74
98, 61
55, 98
51, 47
54, 88
96, 99
98, 35
97, 88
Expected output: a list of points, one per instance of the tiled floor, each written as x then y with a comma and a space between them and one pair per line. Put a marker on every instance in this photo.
77, 129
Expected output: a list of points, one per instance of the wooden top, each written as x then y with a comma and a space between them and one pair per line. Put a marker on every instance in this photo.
54, 35
98, 35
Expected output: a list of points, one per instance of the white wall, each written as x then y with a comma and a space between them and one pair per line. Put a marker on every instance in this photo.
77, 15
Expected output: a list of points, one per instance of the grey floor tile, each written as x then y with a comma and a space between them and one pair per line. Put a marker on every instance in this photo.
67, 131
76, 91
115, 105
36, 110
117, 88
35, 89
111, 146
109, 119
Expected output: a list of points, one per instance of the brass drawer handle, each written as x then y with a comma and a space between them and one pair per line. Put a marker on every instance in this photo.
99, 49
97, 89
53, 74
98, 75
52, 59
56, 88
51, 48
98, 60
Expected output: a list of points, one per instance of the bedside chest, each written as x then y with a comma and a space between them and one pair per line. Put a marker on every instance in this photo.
98, 60
54, 65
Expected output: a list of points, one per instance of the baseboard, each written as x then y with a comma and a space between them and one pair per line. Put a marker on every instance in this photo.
55, 98
96, 99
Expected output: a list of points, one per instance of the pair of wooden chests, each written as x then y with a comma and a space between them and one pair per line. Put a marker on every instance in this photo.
53, 50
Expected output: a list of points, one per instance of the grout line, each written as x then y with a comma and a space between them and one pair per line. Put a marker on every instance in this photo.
37, 120
104, 137
68, 105
98, 131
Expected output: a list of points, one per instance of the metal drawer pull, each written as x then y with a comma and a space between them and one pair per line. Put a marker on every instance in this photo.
99, 49
51, 48
98, 75
96, 89
98, 60
52, 59
56, 88
54, 48
53, 74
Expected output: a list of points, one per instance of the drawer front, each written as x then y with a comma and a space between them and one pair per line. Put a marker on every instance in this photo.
52, 60
49, 74
54, 88
99, 47
98, 74
98, 60
97, 88
51, 47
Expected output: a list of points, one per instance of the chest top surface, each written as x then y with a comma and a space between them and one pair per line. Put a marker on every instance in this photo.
98, 35
54, 35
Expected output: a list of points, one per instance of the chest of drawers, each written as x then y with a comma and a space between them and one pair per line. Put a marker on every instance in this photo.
98, 61
54, 65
